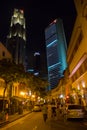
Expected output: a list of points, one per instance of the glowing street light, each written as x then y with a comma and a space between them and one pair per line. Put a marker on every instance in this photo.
22, 93
29, 93
33, 96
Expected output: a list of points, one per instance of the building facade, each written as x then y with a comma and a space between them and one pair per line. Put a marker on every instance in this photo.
4, 53
16, 40
56, 52
77, 55
37, 64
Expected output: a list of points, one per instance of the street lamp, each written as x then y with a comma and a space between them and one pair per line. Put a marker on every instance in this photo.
22, 93
29, 93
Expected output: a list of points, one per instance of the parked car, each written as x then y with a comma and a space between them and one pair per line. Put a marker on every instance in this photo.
73, 111
37, 108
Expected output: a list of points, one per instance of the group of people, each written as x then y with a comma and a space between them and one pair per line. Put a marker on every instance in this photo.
53, 110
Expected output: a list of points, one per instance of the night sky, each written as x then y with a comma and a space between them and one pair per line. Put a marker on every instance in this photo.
38, 15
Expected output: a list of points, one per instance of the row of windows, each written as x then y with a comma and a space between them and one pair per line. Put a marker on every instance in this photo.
54, 76
52, 56
54, 82
55, 68
52, 38
80, 71
50, 31
78, 41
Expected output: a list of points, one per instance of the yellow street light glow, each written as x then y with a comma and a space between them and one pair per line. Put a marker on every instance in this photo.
78, 87
29, 93
22, 93
38, 97
83, 84
33, 96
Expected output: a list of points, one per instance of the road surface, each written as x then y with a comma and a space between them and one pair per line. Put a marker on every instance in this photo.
34, 121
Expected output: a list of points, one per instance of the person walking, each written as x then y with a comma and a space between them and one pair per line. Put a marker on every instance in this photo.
45, 111
7, 110
53, 108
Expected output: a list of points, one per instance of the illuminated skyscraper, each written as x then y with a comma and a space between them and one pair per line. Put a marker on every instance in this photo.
37, 63
16, 40
56, 52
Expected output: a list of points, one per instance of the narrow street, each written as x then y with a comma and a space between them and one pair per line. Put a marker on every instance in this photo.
34, 121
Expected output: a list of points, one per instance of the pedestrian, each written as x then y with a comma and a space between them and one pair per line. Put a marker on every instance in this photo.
6, 110
53, 109
45, 111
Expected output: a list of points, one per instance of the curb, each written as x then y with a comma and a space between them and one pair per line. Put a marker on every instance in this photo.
3, 123
12, 120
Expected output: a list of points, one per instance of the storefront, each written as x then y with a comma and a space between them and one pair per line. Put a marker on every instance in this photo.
79, 89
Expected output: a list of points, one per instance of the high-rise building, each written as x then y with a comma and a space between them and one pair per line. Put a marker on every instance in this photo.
16, 39
56, 52
37, 63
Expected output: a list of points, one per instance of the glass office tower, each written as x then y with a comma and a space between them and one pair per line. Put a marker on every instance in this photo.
37, 63
16, 40
56, 52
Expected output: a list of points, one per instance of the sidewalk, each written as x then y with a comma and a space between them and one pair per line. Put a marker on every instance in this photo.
14, 117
